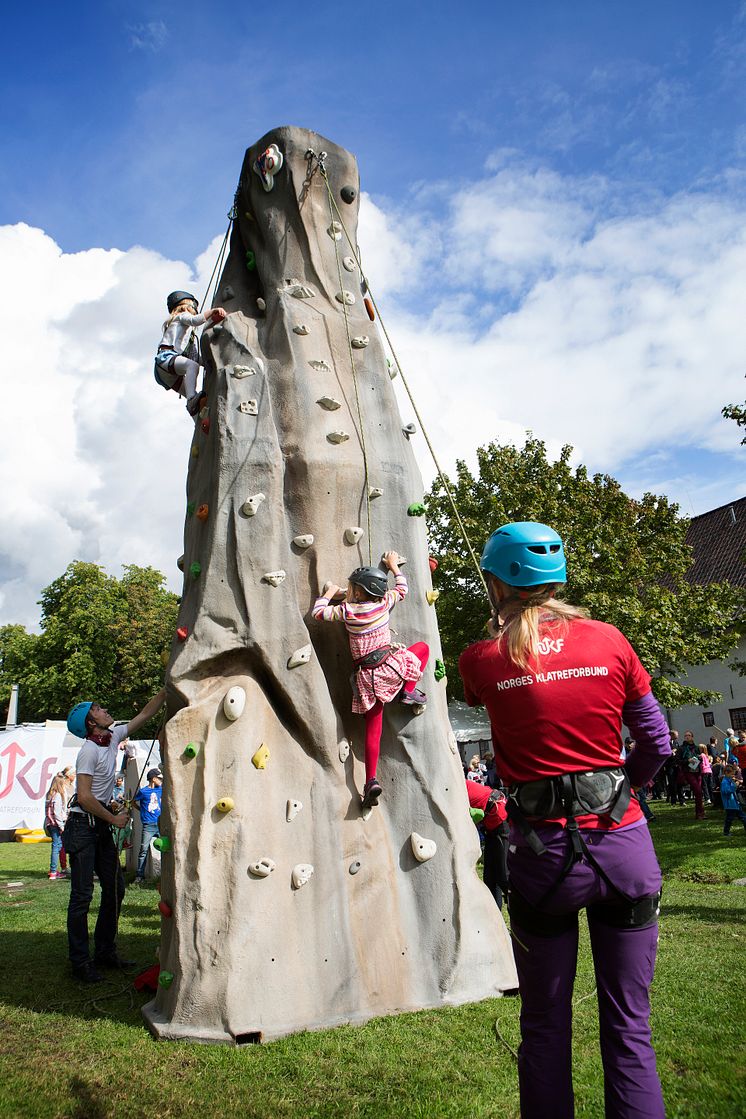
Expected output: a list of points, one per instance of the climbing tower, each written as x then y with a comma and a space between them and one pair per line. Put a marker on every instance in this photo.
285, 907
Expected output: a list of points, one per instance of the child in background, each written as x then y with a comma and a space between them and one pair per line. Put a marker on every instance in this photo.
731, 806
177, 361
382, 671
706, 771
55, 815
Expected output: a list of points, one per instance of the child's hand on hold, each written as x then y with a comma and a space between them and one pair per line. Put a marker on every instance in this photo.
217, 314
391, 559
331, 591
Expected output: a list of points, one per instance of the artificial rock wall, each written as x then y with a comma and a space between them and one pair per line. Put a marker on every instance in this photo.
257, 944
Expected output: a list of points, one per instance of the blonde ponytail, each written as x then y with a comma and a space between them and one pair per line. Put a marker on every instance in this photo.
523, 613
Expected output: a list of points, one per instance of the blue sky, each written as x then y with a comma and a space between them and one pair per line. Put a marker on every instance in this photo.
554, 201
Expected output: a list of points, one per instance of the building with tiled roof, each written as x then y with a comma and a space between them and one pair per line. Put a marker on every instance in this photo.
718, 540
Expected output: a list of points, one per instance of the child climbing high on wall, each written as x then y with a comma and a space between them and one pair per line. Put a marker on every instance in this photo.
177, 360
382, 671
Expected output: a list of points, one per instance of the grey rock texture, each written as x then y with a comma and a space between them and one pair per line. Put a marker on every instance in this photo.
337, 921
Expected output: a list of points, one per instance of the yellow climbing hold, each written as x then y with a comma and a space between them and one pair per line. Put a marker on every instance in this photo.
432, 597
261, 757
225, 804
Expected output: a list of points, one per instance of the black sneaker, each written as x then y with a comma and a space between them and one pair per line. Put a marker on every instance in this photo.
194, 403
415, 698
114, 960
88, 973
371, 793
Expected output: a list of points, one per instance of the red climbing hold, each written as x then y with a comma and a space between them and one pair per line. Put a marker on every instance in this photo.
182, 633
205, 425
431, 559
165, 908
203, 512
369, 308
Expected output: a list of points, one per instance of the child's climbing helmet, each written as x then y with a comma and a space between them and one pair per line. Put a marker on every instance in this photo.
176, 297
76, 719
374, 580
525, 554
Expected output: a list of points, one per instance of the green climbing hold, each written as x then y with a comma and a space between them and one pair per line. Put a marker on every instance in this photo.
190, 508
250, 261
191, 750
195, 569
162, 844
476, 814
416, 509
440, 670
166, 978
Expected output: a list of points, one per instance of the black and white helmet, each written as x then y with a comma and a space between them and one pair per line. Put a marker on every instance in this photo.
374, 580
177, 297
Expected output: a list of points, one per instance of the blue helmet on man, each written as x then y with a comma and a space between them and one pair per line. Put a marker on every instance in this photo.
76, 719
525, 554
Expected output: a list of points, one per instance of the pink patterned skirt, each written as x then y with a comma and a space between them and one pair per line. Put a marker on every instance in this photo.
385, 681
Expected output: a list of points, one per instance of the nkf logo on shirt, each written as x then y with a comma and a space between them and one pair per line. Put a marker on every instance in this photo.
550, 645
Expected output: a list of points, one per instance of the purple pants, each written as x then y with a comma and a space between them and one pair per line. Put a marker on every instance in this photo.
623, 959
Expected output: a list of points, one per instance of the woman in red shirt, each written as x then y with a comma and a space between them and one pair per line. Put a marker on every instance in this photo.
557, 687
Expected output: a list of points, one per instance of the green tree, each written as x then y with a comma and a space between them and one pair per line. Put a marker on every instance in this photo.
736, 412
101, 638
627, 561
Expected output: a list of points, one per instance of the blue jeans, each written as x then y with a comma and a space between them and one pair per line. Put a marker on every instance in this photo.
149, 831
54, 854
92, 851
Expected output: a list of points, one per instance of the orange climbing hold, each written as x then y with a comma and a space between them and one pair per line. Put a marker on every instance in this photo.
165, 908
431, 560
182, 633
369, 308
205, 425
203, 512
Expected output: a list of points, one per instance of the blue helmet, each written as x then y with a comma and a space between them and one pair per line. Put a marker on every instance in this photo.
76, 719
525, 554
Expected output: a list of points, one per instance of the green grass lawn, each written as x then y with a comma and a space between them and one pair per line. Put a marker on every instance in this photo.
84, 1053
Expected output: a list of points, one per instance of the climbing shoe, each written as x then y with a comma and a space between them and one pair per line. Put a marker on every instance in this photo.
415, 698
371, 793
194, 404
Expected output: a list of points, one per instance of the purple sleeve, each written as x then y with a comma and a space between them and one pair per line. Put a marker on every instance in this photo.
650, 732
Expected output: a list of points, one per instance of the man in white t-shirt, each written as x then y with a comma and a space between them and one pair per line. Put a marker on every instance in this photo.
88, 839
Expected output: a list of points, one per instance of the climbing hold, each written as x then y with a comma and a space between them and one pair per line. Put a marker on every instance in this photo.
263, 868
234, 703
298, 290
352, 535
249, 407
162, 843
239, 371
432, 597
361, 342
344, 750
476, 814
410, 429
422, 849
345, 297
195, 569
375, 491
195, 450
251, 505
227, 293
191, 506
292, 809
348, 194
440, 670
165, 908
321, 366
416, 509
350, 263
261, 304
166, 978
369, 308
204, 412
300, 656
329, 403
304, 541
250, 261
391, 368
338, 437
335, 231
225, 804
274, 578
433, 563
260, 757
205, 425
268, 164
301, 328
301, 874
203, 512
191, 750
182, 633
180, 563
354, 867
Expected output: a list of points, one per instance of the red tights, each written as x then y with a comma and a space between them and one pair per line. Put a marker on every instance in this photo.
374, 717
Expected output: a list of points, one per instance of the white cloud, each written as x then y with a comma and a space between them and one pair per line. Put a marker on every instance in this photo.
521, 300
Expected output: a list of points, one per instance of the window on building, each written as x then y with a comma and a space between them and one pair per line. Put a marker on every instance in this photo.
738, 718
709, 718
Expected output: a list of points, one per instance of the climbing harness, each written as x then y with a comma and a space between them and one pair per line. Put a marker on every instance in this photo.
369, 299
